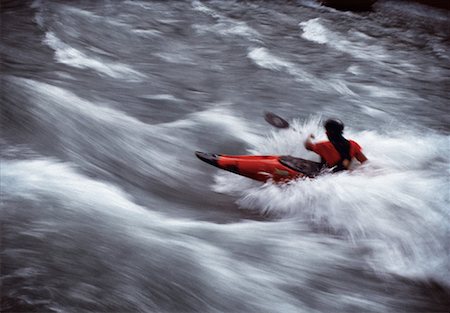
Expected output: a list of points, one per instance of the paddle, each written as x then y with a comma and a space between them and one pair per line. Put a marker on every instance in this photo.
275, 120
279, 122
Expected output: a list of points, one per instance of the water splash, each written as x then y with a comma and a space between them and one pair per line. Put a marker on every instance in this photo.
395, 203
75, 58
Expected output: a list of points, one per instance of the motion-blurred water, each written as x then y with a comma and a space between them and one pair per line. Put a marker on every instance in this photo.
105, 207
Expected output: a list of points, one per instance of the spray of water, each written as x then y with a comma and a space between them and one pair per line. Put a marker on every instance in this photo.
396, 202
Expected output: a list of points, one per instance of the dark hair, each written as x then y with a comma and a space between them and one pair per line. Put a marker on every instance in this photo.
335, 128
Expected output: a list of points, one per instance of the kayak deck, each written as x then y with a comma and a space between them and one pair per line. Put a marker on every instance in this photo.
307, 167
263, 168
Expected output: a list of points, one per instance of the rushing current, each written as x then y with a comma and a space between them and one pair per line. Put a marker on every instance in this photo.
105, 208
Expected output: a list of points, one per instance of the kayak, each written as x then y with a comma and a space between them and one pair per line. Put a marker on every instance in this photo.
263, 167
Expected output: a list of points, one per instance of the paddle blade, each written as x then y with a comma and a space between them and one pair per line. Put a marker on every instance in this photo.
275, 120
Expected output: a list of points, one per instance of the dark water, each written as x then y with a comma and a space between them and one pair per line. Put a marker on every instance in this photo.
105, 207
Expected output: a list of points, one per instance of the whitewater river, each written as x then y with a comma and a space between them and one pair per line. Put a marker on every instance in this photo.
105, 208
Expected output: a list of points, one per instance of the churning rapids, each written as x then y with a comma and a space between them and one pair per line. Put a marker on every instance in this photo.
105, 207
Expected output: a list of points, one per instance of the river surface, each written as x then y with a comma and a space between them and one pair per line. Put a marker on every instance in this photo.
105, 207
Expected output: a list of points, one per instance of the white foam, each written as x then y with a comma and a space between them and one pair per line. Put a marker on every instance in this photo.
355, 43
265, 59
167, 97
175, 57
374, 112
153, 149
258, 267
223, 119
225, 26
354, 69
198, 6
92, 16
140, 4
64, 114
75, 58
385, 92
147, 32
112, 21
396, 202
230, 28
314, 30
35, 178
58, 98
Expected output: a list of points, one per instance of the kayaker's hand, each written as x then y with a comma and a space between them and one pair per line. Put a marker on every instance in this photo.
308, 143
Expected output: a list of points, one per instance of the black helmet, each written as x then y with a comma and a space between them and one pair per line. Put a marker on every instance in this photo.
334, 126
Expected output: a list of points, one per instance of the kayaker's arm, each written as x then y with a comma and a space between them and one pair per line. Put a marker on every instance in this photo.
361, 157
308, 143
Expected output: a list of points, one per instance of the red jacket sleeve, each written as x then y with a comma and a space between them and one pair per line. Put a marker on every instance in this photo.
355, 148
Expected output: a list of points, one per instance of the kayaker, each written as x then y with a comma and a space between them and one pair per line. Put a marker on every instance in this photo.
338, 152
